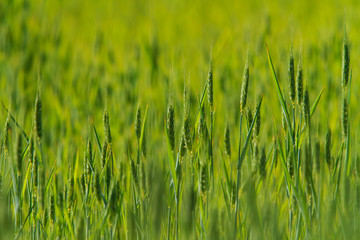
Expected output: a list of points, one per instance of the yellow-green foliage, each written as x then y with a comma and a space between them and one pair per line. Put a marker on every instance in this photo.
98, 140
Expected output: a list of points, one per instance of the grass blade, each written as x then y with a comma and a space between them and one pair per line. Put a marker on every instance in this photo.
281, 97
313, 107
171, 160
97, 138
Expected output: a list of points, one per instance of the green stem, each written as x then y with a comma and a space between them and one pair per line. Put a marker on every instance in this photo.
238, 181
294, 125
211, 142
177, 209
169, 221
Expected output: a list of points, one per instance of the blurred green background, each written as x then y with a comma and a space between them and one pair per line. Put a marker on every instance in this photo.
90, 52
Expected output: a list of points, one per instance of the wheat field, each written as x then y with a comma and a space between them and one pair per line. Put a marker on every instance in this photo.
179, 119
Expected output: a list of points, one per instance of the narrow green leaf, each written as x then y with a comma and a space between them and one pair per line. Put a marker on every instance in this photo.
347, 153
143, 128
297, 191
22, 225
201, 103
246, 144
97, 138
76, 166
25, 181
226, 197
171, 160
69, 225
228, 183
16, 123
49, 179
281, 97
313, 107
349, 86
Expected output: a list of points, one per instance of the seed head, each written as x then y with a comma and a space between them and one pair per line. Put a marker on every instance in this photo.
299, 81
107, 130
291, 77
203, 179
262, 164
31, 150
187, 133
52, 209
227, 141
345, 115
182, 147
138, 123
170, 125
328, 148
345, 63
210, 88
306, 107
37, 118
19, 153
244, 89
104, 155
257, 124
290, 165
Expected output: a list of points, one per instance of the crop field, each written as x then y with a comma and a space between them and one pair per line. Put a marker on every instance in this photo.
179, 119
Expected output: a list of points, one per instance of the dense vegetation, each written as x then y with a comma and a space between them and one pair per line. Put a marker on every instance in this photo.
179, 120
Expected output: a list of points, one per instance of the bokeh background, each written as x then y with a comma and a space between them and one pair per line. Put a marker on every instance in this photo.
88, 52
